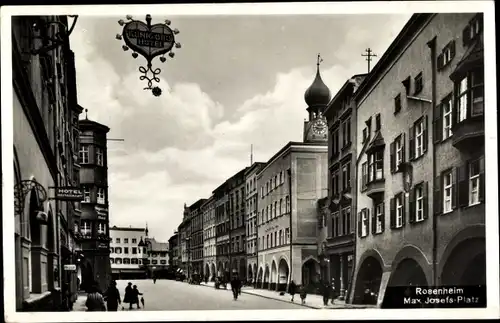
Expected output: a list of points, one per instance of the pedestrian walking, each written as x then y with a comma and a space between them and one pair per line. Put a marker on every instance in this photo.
128, 293
291, 289
95, 301
154, 280
303, 294
134, 297
112, 297
333, 291
325, 292
236, 285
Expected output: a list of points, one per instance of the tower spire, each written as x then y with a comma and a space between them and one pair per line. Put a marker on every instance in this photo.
318, 61
86, 114
147, 231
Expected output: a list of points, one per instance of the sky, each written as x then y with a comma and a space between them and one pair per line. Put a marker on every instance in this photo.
235, 82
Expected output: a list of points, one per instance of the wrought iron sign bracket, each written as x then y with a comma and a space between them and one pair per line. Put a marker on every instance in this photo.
149, 41
22, 189
50, 43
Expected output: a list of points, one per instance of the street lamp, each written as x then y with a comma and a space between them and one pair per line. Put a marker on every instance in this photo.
149, 41
146, 243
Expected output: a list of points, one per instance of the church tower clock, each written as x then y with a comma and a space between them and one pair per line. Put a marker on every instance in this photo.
317, 97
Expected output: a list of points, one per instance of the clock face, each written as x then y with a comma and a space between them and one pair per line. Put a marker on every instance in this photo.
319, 127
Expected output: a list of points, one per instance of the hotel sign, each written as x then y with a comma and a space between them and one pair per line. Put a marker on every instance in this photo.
102, 212
149, 41
69, 194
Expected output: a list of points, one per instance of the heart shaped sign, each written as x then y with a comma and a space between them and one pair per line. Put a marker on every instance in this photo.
148, 41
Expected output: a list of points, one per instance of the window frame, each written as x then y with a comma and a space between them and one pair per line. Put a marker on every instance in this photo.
400, 211
471, 179
449, 187
84, 154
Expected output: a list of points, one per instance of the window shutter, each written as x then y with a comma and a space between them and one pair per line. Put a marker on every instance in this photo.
438, 123
411, 207
374, 221
403, 199
383, 217
438, 196
412, 142
393, 157
367, 223
454, 188
463, 186
466, 36
425, 135
360, 223
393, 213
440, 61
452, 47
482, 193
403, 147
425, 189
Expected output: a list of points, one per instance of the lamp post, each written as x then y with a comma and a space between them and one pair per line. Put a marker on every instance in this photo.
144, 243
149, 41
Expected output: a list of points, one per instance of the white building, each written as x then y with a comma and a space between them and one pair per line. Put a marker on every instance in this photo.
126, 256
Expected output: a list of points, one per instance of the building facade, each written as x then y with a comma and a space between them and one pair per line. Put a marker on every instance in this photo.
125, 253
173, 249
183, 230
209, 254
420, 200
237, 234
94, 224
222, 229
290, 185
251, 210
45, 116
337, 220
196, 237
156, 256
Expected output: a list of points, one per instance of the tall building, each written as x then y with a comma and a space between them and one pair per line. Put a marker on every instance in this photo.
45, 116
290, 184
125, 254
420, 200
173, 248
237, 255
222, 229
196, 237
184, 237
338, 220
209, 254
94, 225
155, 256
251, 210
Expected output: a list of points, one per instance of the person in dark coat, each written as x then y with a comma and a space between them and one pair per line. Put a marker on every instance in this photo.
95, 301
325, 291
112, 297
128, 293
292, 288
333, 291
236, 286
134, 297
303, 294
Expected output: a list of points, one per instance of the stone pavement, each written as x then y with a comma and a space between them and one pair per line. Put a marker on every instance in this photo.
312, 300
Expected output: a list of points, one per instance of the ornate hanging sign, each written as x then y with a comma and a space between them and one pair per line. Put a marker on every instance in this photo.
22, 189
149, 41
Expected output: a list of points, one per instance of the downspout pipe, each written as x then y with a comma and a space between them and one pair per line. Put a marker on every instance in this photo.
432, 45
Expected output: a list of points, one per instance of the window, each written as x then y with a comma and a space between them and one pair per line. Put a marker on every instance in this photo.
335, 144
335, 182
134, 250
126, 261
111, 260
399, 211
84, 154
287, 201
134, 261
418, 138
346, 133
364, 175
377, 122
474, 182
335, 224
376, 165
99, 156
134, 240
275, 238
118, 261
363, 222
281, 237
287, 234
379, 218
346, 220
462, 100
86, 195
125, 240
446, 55
154, 262
118, 250
346, 177
397, 152
100, 196
407, 85
282, 177
420, 201
86, 228
447, 191
125, 250
397, 107
101, 228
282, 210
473, 29
276, 209
117, 240
447, 108
418, 83
419, 134
267, 241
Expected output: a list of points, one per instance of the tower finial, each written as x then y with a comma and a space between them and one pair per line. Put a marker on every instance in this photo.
86, 114
319, 60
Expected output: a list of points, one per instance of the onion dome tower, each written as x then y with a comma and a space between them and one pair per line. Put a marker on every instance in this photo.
317, 96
